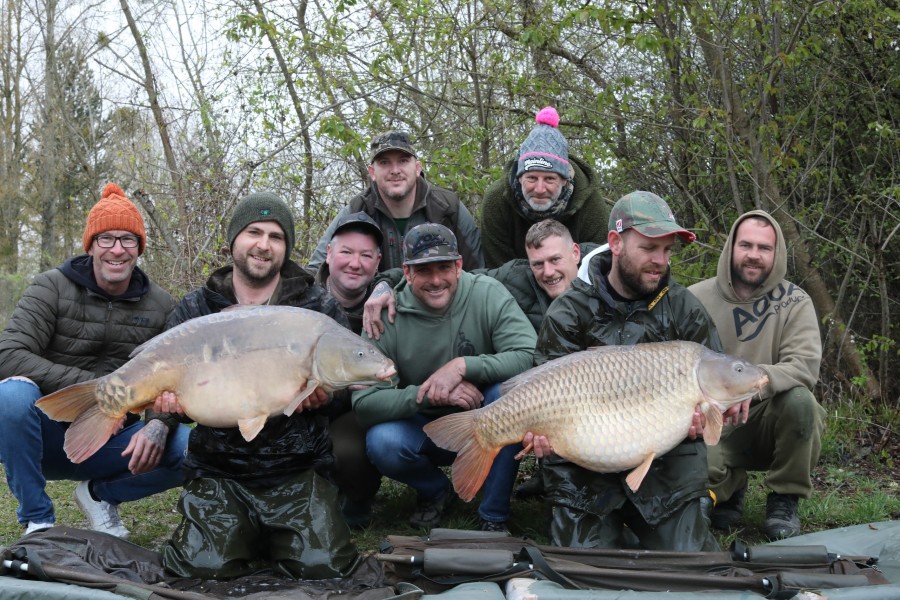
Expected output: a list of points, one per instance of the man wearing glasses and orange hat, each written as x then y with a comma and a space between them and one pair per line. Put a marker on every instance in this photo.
74, 323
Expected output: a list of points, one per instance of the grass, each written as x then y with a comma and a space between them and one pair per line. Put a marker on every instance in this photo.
855, 482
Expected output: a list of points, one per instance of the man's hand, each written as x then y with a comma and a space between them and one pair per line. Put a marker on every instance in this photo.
442, 382
538, 443
167, 402
317, 399
146, 447
697, 424
382, 297
737, 414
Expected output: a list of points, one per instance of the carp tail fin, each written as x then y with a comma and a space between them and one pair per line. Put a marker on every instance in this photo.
70, 402
637, 474
457, 433
712, 431
88, 433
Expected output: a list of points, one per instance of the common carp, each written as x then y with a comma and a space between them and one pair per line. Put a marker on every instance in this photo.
233, 368
607, 409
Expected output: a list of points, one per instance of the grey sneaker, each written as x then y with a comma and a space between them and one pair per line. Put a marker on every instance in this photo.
102, 516
782, 519
32, 527
428, 513
728, 513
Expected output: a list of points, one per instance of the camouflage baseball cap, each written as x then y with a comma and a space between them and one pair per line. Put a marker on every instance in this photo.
429, 242
648, 214
391, 140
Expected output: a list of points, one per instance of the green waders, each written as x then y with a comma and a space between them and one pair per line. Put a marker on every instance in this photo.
783, 437
228, 530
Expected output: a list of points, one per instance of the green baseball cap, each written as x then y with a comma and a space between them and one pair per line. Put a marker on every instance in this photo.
648, 214
391, 140
429, 242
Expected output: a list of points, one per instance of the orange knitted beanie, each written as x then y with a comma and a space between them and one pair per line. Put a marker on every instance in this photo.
114, 212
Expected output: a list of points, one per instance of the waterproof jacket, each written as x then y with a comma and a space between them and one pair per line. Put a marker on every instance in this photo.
504, 221
776, 328
589, 315
66, 329
515, 275
285, 445
482, 324
433, 204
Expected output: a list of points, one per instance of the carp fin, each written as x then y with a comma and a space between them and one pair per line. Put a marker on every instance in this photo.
88, 433
457, 433
712, 431
636, 477
311, 385
251, 427
70, 402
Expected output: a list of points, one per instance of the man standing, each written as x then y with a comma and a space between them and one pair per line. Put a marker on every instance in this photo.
74, 323
399, 198
351, 262
455, 337
772, 323
630, 299
260, 491
544, 182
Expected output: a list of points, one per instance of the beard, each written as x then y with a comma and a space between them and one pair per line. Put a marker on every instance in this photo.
255, 274
738, 276
630, 276
545, 204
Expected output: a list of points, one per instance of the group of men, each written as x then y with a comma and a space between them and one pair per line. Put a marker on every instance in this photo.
403, 263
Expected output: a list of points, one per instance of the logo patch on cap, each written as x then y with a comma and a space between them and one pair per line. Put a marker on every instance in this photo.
265, 212
619, 225
538, 163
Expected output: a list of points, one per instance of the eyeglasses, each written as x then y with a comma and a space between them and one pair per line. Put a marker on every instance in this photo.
108, 241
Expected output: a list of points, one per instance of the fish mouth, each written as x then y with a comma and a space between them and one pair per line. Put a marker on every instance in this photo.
386, 373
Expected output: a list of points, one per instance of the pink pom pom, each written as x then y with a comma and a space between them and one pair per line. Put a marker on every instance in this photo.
548, 116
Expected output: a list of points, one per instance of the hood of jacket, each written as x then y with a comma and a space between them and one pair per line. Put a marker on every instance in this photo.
576, 192
779, 268
80, 270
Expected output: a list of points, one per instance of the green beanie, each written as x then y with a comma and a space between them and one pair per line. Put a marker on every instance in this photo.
262, 206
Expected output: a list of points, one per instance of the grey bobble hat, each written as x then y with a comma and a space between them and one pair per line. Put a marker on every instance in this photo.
545, 148
262, 206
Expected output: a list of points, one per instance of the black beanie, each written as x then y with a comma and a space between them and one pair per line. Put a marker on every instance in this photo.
262, 206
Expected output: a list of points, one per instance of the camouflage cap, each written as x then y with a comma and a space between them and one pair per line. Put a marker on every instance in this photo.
429, 242
359, 221
391, 140
648, 214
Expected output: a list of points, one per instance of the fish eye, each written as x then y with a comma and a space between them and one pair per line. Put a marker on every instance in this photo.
739, 368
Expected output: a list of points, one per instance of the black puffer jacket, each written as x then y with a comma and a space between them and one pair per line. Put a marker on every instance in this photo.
66, 329
286, 445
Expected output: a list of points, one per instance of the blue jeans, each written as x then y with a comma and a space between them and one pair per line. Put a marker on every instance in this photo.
402, 451
31, 449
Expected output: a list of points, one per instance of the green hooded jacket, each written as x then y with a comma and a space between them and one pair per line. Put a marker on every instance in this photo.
504, 220
483, 324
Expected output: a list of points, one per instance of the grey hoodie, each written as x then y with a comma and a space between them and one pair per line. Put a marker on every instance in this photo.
776, 328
